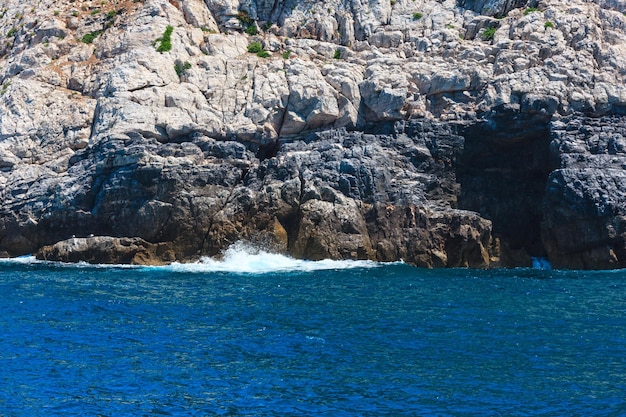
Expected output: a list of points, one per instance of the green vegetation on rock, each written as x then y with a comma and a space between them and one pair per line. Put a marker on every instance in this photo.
488, 34
165, 42
181, 68
91, 36
248, 24
245, 19
257, 48
5, 86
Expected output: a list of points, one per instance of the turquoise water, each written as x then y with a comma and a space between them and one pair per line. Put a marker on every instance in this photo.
279, 337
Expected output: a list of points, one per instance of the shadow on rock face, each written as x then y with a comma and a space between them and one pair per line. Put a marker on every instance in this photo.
503, 172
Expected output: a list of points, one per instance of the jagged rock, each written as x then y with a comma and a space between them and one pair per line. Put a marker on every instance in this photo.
430, 239
48, 29
584, 209
106, 250
196, 14
332, 229
312, 103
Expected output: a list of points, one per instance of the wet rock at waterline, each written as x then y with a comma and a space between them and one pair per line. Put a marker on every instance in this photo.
106, 250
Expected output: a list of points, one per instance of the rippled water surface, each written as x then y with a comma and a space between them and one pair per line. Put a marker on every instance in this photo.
310, 339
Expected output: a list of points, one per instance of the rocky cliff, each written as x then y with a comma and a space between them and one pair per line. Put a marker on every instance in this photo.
444, 133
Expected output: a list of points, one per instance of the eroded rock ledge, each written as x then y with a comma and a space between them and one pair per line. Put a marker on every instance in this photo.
106, 250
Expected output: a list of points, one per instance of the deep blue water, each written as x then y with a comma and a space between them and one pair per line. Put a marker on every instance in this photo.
302, 340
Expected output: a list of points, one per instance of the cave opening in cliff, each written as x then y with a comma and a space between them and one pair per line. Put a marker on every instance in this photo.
503, 171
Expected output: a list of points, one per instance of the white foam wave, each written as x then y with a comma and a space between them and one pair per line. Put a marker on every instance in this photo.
32, 260
28, 259
238, 258
241, 258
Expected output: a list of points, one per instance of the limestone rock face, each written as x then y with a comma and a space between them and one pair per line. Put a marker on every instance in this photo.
444, 133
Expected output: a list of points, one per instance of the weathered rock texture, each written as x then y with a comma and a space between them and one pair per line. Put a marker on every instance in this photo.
444, 133
585, 205
106, 250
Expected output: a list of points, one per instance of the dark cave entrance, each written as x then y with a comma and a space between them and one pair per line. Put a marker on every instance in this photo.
503, 171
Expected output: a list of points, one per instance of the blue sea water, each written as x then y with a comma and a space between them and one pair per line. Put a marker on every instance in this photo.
264, 335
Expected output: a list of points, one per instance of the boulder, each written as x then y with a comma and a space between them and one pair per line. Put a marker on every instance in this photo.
106, 250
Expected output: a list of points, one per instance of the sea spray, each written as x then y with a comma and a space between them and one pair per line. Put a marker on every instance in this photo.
241, 258
244, 258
